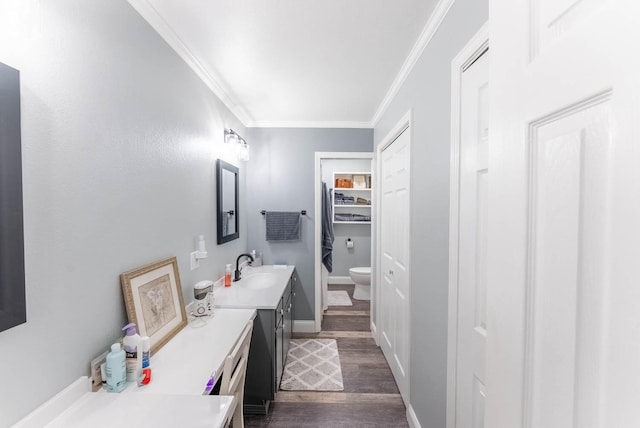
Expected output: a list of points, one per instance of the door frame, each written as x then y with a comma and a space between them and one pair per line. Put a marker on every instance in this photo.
477, 46
317, 258
404, 124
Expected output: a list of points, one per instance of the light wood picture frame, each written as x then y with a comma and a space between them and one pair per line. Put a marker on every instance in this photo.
153, 297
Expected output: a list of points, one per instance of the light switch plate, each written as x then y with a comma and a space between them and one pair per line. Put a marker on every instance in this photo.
195, 263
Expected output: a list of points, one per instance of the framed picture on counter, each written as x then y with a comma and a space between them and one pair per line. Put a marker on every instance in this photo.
153, 297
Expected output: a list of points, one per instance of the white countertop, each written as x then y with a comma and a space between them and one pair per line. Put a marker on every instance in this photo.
145, 410
239, 296
186, 363
181, 370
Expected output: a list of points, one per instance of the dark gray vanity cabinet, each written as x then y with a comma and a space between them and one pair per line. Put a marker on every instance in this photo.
287, 321
284, 329
272, 331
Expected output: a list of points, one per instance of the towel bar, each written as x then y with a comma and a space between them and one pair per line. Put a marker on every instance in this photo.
303, 212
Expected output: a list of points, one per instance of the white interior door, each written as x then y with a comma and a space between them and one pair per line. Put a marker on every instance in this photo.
472, 246
394, 246
564, 210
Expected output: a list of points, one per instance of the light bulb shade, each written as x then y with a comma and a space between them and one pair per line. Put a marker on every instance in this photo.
243, 151
230, 136
241, 147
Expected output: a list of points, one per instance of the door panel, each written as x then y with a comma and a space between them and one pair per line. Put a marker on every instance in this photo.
394, 243
564, 201
472, 245
550, 19
569, 171
279, 345
387, 247
400, 270
479, 397
480, 281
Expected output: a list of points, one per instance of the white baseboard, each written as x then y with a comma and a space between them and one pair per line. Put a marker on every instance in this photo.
304, 326
340, 280
374, 333
412, 418
57, 404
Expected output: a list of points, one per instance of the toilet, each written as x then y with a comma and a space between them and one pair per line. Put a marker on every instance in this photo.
361, 276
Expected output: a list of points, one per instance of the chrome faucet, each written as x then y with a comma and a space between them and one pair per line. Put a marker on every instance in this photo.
237, 272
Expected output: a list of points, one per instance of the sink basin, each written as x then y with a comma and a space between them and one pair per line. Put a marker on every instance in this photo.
258, 281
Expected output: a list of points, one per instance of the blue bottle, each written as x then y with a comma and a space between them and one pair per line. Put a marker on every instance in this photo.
115, 368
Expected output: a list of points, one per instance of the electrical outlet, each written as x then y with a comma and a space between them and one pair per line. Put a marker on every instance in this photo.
95, 374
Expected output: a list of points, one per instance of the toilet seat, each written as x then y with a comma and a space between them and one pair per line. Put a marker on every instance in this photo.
361, 277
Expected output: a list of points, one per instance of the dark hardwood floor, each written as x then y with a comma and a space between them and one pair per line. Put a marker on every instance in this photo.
370, 397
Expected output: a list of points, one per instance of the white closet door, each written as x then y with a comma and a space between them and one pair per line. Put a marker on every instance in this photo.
564, 210
472, 246
394, 244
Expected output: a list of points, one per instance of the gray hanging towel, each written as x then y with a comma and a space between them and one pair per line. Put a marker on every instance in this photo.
327, 229
283, 225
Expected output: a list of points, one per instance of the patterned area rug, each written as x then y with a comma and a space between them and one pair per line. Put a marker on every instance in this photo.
339, 298
312, 365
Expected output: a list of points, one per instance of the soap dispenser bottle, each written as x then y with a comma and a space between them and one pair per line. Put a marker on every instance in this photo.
116, 369
133, 352
227, 276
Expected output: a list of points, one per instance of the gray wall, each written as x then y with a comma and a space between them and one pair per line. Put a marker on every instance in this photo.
119, 146
281, 178
427, 92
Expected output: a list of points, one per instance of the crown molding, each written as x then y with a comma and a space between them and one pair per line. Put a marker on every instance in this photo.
213, 82
162, 27
438, 15
308, 124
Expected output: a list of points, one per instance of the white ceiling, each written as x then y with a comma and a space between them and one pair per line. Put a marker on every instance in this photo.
295, 62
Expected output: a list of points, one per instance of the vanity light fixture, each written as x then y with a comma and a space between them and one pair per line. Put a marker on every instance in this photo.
241, 146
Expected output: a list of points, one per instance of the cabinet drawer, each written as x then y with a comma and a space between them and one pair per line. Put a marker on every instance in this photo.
287, 290
279, 313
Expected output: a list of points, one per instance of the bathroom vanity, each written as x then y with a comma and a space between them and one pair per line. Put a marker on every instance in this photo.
270, 290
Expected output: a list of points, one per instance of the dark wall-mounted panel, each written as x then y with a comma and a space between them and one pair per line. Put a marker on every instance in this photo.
228, 201
12, 283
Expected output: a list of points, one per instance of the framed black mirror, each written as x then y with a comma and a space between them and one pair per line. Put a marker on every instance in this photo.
227, 201
13, 309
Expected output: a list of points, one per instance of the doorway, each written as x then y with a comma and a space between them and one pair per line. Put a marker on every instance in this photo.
330, 166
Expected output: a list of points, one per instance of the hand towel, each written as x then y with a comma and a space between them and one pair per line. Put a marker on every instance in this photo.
283, 225
327, 229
